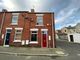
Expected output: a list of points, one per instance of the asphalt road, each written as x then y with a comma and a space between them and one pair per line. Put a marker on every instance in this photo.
71, 48
11, 57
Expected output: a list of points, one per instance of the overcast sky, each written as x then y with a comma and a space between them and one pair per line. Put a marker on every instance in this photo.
67, 12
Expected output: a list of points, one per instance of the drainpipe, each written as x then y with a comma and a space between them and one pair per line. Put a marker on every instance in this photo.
27, 18
53, 29
3, 18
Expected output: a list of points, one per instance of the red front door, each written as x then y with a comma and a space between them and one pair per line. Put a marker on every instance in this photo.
44, 40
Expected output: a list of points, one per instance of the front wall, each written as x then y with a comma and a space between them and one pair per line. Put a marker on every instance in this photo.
1, 14
76, 37
25, 24
63, 30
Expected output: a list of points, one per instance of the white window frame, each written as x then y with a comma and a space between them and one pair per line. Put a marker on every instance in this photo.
44, 29
8, 28
34, 29
17, 15
18, 33
33, 42
39, 15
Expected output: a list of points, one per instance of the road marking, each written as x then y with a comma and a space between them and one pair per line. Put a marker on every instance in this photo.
66, 55
59, 52
28, 57
78, 54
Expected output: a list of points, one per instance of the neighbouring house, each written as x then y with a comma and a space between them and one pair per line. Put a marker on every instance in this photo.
73, 33
60, 35
77, 27
68, 29
34, 29
70, 33
74, 37
56, 34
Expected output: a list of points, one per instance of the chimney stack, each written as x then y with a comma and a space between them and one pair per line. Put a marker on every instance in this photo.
32, 10
4, 10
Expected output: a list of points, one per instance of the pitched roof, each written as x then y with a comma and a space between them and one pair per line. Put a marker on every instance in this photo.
70, 27
78, 24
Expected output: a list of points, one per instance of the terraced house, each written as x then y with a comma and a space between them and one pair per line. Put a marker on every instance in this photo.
23, 28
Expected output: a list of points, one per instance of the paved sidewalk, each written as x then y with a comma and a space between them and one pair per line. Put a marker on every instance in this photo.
24, 51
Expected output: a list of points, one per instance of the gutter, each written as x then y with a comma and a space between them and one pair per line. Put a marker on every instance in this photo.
53, 29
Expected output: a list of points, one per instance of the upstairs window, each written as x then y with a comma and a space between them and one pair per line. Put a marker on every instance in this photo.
15, 18
39, 19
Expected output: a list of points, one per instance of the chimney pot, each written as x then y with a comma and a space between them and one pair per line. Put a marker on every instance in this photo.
32, 10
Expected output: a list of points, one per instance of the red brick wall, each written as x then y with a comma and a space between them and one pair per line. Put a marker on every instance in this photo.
1, 18
1, 14
24, 23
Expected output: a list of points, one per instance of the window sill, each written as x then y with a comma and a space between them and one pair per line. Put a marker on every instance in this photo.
33, 42
39, 25
14, 24
17, 41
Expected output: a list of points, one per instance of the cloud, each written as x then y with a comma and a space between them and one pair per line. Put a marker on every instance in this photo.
8, 4
39, 5
65, 15
1, 5
68, 18
68, 15
0, 1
